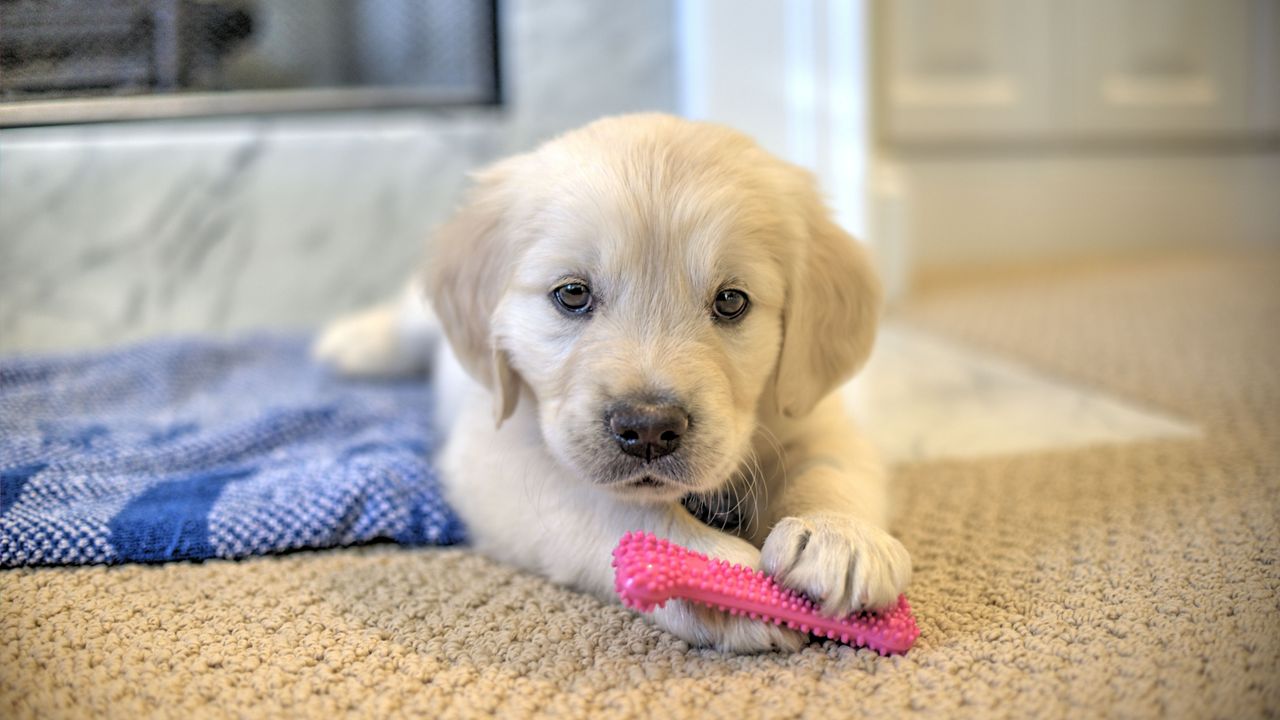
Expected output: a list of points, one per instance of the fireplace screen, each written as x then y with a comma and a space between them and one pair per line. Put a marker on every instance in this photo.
75, 61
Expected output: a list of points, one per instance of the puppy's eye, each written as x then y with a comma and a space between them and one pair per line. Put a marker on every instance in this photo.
730, 304
573, 297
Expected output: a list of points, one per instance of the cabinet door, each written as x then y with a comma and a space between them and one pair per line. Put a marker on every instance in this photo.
965, 69
1159, 68
1264, 78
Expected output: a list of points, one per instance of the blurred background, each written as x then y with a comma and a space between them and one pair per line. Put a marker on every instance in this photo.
218, 165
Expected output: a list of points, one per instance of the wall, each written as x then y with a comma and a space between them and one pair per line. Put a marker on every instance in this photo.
115, 232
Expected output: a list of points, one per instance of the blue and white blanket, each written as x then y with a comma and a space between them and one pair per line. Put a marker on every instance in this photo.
189, 449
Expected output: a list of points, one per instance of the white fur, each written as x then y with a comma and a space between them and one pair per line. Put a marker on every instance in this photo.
657, 214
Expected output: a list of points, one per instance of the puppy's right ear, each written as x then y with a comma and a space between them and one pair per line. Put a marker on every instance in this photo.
472, 263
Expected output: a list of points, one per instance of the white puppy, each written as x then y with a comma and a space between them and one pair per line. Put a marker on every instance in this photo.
655, 312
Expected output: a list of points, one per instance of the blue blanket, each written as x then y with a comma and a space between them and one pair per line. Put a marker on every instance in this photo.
189, 449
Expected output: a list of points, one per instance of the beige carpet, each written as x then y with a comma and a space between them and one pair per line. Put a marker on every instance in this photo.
1129, 580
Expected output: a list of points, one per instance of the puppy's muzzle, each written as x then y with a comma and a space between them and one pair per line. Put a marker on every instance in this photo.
647, 430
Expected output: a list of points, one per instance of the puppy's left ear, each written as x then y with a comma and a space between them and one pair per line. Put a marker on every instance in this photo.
833, 305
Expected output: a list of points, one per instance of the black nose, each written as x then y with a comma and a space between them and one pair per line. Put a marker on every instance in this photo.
646, 430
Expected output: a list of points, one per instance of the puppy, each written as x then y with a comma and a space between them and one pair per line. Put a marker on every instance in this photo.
644, 321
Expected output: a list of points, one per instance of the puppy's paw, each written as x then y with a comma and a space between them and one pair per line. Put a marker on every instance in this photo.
840, 562
704, 627
365, 344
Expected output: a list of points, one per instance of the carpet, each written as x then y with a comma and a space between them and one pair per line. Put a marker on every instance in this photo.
1130, 580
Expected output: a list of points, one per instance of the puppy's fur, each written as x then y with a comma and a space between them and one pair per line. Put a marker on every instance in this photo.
656, 215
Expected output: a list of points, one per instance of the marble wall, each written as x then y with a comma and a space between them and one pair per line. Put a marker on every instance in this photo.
115, 232
111, 233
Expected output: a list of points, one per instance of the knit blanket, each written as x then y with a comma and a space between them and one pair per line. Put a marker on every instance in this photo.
188, 449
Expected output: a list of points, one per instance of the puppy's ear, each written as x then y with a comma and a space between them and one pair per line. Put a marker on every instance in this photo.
472, 263
829, 322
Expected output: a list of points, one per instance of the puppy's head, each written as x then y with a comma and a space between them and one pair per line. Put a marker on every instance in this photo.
656, 284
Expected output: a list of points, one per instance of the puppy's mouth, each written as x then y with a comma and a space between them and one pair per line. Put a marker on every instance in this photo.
647, 481
668, 475
650, 487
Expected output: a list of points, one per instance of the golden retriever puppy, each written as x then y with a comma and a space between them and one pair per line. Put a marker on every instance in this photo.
644, 321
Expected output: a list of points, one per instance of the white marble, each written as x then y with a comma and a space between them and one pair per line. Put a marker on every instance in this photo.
569, 62
115, 232
112, 233
924, 398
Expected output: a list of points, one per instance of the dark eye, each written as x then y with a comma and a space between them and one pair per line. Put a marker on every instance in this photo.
730, 304
573, 297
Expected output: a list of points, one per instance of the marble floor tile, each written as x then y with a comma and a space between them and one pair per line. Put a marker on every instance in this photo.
924, 398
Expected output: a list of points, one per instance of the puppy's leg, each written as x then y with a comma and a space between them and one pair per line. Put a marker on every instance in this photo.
828, 537
702, 626
520, 508
396, 338
695, 624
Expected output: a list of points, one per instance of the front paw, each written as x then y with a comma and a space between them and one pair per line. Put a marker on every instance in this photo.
702, 626
840, 562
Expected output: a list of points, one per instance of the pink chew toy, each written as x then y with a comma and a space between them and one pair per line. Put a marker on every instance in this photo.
650, 570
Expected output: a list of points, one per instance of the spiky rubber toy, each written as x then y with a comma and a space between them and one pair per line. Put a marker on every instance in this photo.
650, 570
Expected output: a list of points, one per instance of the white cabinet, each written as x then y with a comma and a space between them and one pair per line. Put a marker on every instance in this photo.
994, 70
965, 68
1158, 67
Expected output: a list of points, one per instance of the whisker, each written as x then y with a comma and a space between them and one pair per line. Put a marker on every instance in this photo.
781, 452
736, 486
757, 478
764, 481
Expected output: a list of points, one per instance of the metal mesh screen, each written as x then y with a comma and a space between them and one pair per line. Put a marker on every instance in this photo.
58, 49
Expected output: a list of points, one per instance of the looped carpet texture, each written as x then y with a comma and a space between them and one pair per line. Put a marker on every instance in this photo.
1125, 580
